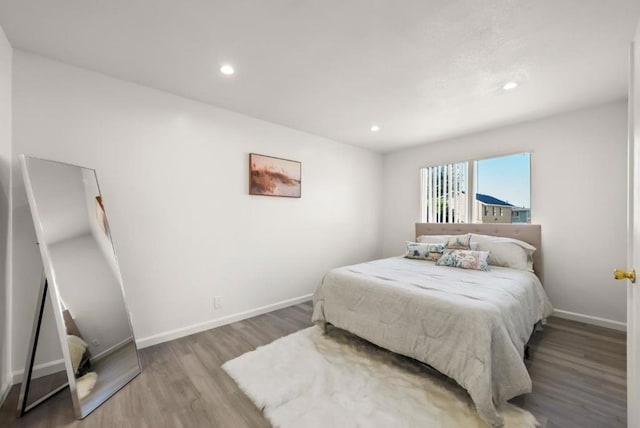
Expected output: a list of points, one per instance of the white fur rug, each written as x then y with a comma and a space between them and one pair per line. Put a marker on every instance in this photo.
309, 379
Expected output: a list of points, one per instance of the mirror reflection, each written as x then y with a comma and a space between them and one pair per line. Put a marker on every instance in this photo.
84, 281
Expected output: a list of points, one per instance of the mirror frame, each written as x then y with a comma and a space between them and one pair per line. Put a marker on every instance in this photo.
53, 291
23, 405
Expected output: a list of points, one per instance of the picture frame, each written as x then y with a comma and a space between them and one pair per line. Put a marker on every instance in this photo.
273, 176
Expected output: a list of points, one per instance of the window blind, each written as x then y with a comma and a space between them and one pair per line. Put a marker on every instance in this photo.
444, 193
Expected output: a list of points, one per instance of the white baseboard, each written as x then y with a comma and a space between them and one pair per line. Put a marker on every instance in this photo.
588, 319
44, 369
207, 325
112, 349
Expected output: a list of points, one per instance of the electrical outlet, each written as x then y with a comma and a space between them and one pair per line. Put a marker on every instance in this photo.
95, 342
217, 302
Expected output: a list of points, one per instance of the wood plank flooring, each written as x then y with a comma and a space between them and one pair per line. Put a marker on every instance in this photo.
578, 372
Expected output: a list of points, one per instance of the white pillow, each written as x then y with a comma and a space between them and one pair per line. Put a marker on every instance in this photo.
441, 239
506, 252
432, 239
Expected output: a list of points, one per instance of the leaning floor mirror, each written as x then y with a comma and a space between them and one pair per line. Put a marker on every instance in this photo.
81, 285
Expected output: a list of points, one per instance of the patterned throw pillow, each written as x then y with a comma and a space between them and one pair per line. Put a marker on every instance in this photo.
459, 242
420, 251
465, 259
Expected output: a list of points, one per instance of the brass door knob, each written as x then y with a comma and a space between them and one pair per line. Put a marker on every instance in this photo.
620, 274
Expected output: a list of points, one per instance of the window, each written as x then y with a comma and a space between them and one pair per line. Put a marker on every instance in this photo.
444, 193
466, 192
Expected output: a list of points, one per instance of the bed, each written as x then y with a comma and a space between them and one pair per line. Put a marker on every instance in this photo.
470, 325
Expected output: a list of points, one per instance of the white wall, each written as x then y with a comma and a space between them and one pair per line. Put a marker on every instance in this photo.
5, 211
173, 174
578, 172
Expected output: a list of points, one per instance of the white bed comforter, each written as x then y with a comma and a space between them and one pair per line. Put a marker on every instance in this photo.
470, 325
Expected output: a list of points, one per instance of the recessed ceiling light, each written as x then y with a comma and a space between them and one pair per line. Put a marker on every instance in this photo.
510, 85
375, 128
227, 69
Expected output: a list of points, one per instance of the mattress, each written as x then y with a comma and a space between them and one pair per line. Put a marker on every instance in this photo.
470, 325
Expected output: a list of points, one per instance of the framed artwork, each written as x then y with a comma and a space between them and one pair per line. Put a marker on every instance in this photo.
271, 176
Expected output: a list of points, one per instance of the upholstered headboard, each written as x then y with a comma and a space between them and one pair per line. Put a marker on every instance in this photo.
531, 233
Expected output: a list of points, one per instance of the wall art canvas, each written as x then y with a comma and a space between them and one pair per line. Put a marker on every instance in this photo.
270, 176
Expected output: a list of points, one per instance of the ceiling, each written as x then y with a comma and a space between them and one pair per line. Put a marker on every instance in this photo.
423, 70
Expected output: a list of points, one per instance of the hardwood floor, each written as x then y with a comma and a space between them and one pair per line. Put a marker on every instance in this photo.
579, 375
578, 372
